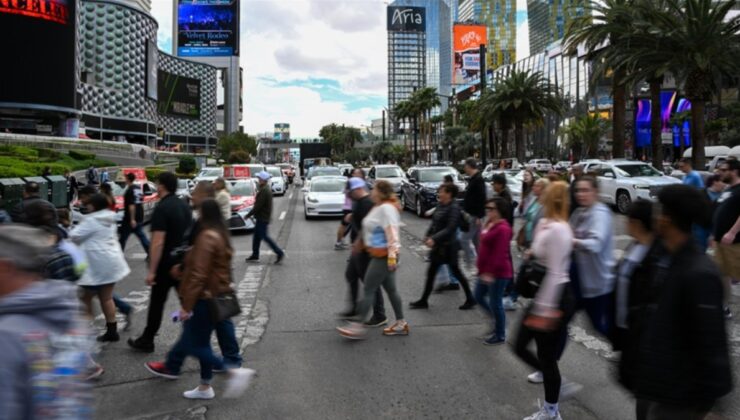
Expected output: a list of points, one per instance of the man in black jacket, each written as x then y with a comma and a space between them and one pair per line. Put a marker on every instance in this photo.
31, 194
682, 363
262, 212
502, 190
474, 209
442, 239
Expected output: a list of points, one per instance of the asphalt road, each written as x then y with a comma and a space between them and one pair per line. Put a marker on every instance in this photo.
306, 371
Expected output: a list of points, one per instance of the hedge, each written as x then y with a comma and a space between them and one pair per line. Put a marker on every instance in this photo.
19, 152
80, 155
152, 173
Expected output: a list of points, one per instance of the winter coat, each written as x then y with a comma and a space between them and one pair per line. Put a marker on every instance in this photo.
97, 237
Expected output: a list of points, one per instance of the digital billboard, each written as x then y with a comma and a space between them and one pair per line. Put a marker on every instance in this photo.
406, 19
281, 132
178, 96
40, 51
467, 40
207, 28
151, 70
670, 105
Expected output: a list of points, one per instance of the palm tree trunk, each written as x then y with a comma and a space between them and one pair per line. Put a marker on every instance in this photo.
656, 123
619, 111
519, 141
697, 134
504, 141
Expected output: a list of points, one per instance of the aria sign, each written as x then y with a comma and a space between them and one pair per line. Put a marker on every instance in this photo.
406, 19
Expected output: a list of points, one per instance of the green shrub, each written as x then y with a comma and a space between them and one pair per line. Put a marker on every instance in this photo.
152, 173
80, 155
186, 165
239, 156
19, 152
49, 154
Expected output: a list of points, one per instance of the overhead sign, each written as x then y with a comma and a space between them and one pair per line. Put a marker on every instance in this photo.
178, 95
207, 28
406, 19
467, 42
40, 53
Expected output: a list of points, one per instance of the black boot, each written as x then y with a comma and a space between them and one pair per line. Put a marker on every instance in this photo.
111, 334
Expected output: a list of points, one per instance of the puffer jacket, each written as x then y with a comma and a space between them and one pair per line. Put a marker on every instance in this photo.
97, 237
207, 269
443, 229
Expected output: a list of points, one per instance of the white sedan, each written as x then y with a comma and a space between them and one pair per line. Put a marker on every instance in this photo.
277, 182
325, 197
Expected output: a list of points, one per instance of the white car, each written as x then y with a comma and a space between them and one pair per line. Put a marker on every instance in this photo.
563, 165
208, 174
317, 171
243, 194
390, 173
344, 167
623, 181
277, 182
540, 165
325, 197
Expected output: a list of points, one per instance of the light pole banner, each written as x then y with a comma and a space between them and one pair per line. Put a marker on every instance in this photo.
467, 42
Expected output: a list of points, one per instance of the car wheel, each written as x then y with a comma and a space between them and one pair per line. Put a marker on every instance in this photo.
305, 214
419, 208
404, 204
623, 201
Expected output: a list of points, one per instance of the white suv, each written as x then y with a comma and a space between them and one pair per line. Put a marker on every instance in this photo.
622, 181
540, 165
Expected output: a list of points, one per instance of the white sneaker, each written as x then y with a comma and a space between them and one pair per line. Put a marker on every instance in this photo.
509, 305
543, 415
536, 377
239, 380
197, 394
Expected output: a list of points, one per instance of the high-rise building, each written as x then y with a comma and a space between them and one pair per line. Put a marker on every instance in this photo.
548, 20
405, 71
500, 18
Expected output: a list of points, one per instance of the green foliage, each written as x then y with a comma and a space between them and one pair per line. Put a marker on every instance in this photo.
341, 138
239, 156
152, 172
355, 155
234, 142
19, 152
17, 161
583, 135
186, 165
387, 152
81, 155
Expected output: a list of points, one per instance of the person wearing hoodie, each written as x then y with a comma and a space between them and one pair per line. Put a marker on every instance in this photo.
97, 237
45, 344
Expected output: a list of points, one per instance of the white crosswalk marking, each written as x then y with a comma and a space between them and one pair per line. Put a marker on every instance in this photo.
282, 215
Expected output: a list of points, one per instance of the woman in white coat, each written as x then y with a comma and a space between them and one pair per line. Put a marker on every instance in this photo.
96, 236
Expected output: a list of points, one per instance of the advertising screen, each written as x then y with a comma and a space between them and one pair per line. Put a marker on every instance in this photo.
207, 28
178, 96
151, 70
406, 19
281, 132
643, 115
39, 50
467, 42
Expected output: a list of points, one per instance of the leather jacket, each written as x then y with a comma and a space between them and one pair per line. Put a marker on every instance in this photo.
207, 269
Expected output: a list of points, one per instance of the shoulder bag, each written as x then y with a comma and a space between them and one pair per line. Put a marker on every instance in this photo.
224, 306
530, 276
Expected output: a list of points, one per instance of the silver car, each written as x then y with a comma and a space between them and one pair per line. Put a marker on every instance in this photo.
390, 173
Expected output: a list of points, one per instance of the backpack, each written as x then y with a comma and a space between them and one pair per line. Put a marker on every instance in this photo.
91, 175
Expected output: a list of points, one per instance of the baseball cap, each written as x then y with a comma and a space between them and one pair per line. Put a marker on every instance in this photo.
263, 175
356, 183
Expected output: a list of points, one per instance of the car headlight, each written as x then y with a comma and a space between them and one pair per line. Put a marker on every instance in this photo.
641, 187
312, 200
243, 212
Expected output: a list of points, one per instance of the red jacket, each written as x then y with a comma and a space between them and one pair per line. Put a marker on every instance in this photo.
494, 252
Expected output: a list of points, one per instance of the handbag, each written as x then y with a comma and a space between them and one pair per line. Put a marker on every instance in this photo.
464, 222
224, 306
530, 276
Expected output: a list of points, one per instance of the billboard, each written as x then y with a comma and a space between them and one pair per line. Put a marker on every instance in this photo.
467, 40
406, 19
151, 70
670, 105
40, 50
281, 132
207, 28
178, 96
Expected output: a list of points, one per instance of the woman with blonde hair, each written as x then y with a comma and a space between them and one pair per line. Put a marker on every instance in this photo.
551, 247
381, 239
223, 198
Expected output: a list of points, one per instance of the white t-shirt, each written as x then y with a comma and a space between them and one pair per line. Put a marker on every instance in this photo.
375, 225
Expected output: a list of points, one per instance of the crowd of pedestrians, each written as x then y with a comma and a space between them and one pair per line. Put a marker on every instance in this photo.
662, 305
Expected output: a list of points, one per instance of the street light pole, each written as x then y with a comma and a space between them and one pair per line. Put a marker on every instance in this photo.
384, 126
416, 137
482, 90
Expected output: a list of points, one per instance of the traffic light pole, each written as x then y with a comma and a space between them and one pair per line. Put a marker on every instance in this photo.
483, 151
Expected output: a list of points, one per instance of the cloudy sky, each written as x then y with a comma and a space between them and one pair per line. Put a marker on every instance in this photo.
311, 62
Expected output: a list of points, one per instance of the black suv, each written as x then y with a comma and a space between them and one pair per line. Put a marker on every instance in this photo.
419, 192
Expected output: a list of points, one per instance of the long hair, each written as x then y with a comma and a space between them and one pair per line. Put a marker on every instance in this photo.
107, 191
527, 187
556, 201
386, 193
211, 218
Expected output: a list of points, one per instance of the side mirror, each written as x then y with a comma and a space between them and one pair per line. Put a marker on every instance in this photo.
413, 180
608, 175
304, 189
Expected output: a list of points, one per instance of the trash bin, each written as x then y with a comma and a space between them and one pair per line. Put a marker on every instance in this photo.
43, 185
58, 190
11, 190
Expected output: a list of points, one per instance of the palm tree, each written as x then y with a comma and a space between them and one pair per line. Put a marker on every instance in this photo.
702, 44
603, 27
524, 98
585, 133
403, 112
423, 101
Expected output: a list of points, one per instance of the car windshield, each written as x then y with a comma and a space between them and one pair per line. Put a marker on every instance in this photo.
436, 175
389, 173
636, 170
182, 183
118, 190
275, 171
328, 185
324, 171
242, 188
210, 172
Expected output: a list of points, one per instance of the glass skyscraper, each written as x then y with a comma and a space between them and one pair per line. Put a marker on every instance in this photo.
548, 20
500, 18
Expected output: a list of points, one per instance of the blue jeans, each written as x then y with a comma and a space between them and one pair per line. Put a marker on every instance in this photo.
260, 234
195, 340
226, 336
126, 231
490, 298
122, 306
453, 279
